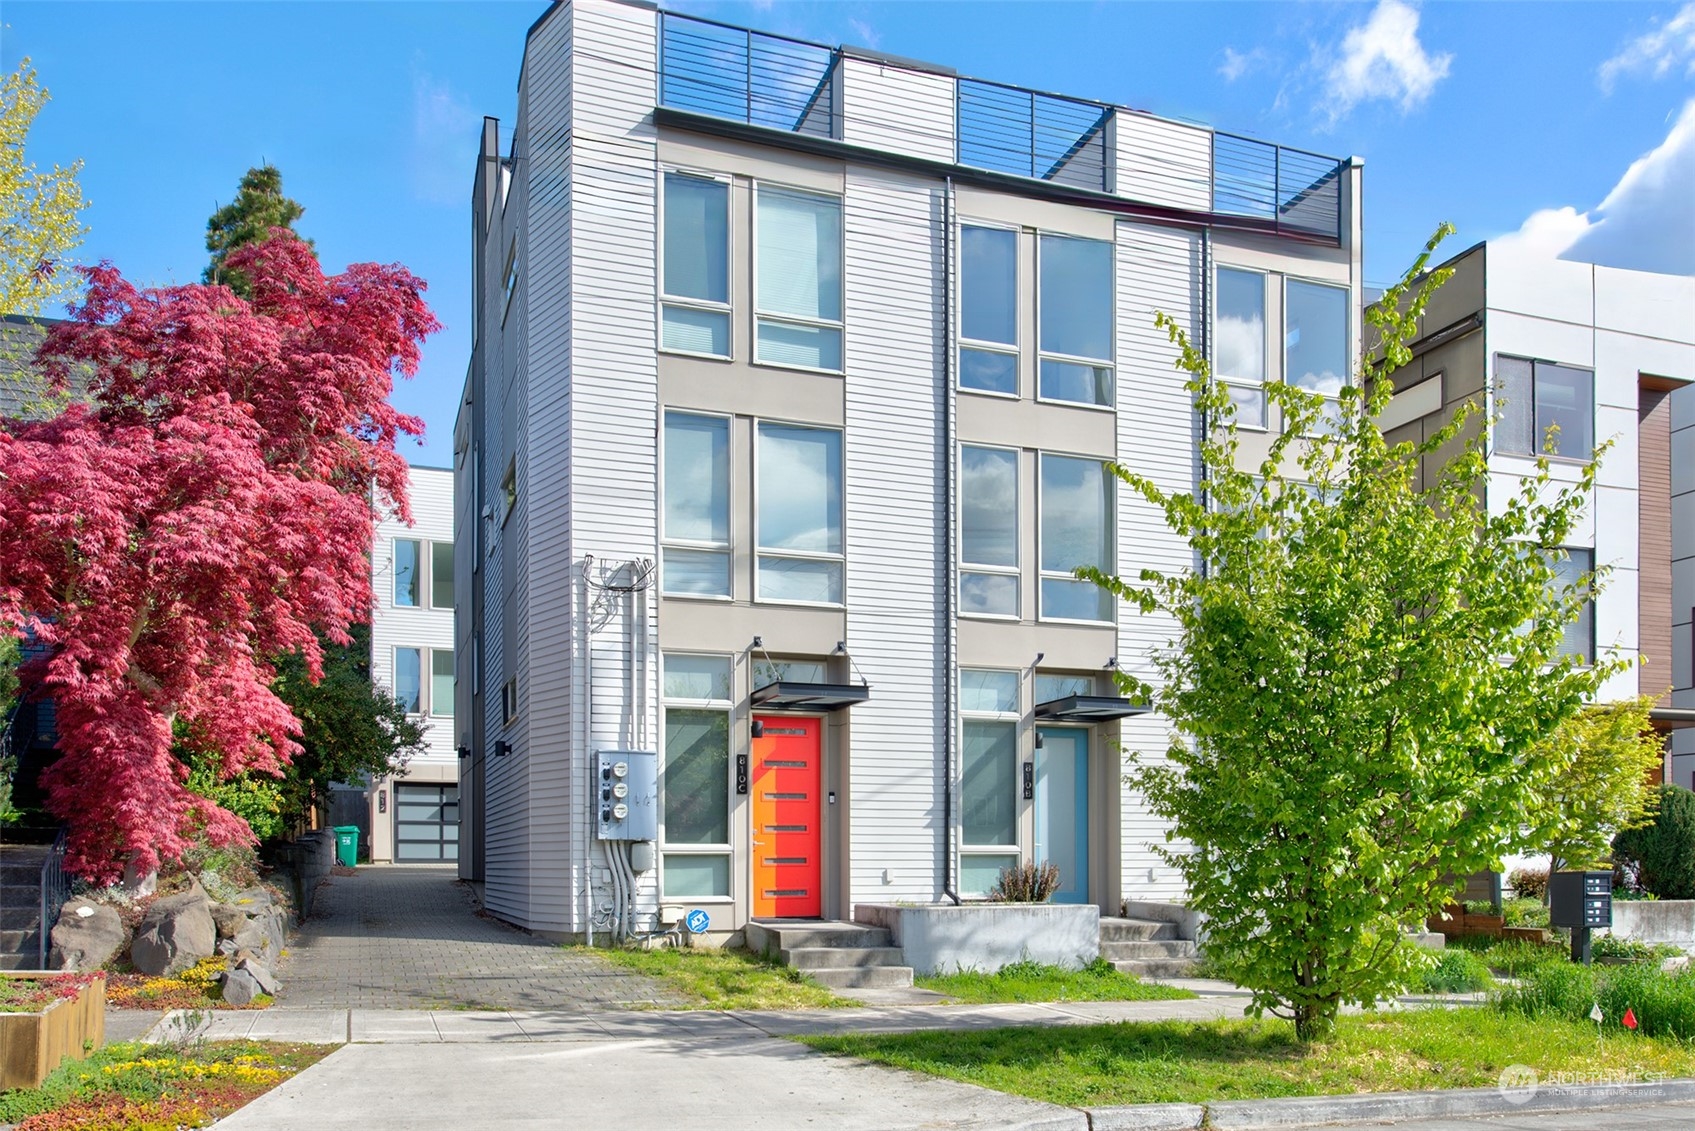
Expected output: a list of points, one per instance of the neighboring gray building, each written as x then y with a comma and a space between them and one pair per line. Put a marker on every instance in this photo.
795, 370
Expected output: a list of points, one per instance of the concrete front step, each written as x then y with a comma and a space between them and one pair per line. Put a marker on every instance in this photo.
1156, 967
811, 958
775, 936
1154, 948
862, 977
24, 960
1136, 930
13, 918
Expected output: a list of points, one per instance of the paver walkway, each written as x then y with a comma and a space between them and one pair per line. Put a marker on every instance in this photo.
407, 936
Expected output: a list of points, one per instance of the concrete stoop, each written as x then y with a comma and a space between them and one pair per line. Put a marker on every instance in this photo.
20, 906
1147, 948
840, 956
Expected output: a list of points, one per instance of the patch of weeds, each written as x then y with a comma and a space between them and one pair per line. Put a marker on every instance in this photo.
1034, 981
722, 979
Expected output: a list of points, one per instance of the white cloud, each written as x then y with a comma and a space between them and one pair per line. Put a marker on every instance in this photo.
1382, 59
1238, 63
444, 134
867, 34
1657, 51
1647, 221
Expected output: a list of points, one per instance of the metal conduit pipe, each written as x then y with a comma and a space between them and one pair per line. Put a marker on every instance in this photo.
950, 674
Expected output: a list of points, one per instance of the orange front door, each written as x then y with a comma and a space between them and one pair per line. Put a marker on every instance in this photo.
786, 778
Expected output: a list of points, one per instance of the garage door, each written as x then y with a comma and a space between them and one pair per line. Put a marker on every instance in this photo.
426, 823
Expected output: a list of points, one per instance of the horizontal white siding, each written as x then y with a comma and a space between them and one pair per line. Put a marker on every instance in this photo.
428, 627
1163, 162
897, 110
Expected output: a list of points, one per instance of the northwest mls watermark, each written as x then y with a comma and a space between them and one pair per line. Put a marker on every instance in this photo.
1520, 1083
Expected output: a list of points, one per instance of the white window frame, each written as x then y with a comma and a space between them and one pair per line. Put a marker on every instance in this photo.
1014, 350
799, 555
426, 678
509, 279
1265, 361
725, 308
839, 324
1111, 516
726, 850
421, 579
728, 547
1015, 719
1014, 571
1348, 352
1074, 359
1534, 362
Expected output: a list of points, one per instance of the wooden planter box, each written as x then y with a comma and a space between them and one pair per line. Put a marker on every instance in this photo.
1456, 920
33, 1044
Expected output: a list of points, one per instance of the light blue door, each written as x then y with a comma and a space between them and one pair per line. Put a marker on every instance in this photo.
1062, 809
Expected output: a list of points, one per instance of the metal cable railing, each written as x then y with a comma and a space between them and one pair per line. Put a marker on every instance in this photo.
1009, 129
1296, 190
747, 76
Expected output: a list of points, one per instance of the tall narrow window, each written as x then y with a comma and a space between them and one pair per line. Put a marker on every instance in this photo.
1076, 530
1315, 352
441, 682
696, 560
1239, 337
408, 679
1572, 566
798, 268
1545, 408
988, 532
408, 585
800, 514
509, 280
988, 308
1076, 320
441, 575
988, 790
695, 316
696, 776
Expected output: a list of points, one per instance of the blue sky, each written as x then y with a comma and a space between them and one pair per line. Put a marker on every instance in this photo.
1569, 126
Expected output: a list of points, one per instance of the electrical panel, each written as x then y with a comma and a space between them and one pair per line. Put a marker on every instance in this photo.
627, 795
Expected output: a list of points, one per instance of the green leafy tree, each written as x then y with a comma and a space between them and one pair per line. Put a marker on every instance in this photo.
258, 207
1362, 683
38, 208
1610, 756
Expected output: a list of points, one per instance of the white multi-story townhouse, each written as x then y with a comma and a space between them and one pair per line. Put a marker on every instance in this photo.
795, 374
414, 815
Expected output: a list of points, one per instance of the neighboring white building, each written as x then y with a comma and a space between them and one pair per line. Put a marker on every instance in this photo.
795, 370
414, 816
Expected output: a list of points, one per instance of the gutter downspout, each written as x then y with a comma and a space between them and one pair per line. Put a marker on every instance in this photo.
950, 646
588, 759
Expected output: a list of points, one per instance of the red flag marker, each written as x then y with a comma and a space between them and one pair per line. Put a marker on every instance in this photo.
1629, 1018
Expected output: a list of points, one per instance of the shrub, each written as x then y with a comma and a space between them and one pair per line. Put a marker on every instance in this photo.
1525, 912
1455, 972
1026, 882
1631, 950
1529, 883
1663, 853
1513, 957
1480, 907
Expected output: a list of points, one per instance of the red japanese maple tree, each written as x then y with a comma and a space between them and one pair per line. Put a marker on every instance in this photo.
209, 508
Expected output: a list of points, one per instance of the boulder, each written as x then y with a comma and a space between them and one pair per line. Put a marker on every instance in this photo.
262, 936
1676, 964
175, 933
87, 935
259, 973
229, 919
240, 986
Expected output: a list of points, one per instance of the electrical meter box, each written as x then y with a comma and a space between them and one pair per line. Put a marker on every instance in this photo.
627, 795
1580, 899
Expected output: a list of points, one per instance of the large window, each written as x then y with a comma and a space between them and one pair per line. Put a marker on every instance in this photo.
1315, 352
695, 314
1239, 336
1545, 408
696, 777
798, 279
1076, 530
419, 697
799, 515
422, 568
441, 574
988, 301
441, 682
696, 558
988, 532
988, 791
1075, 307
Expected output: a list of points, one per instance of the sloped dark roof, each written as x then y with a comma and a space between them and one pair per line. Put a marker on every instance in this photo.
23, 393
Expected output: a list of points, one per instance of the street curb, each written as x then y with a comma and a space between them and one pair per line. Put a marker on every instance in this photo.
1386, 1107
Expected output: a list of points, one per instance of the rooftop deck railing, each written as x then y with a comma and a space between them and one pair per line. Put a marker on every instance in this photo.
783, 83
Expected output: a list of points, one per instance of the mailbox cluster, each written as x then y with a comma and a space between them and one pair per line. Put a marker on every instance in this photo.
1580, 899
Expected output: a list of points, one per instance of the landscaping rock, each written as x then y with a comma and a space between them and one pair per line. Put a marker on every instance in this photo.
229, 919
263, 936
87, 935
240, 986
261, 974
1676, 964
175, 933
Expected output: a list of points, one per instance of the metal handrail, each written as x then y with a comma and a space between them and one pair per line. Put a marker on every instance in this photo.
55, 890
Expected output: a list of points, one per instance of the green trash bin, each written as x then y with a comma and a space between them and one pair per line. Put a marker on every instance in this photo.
347, 844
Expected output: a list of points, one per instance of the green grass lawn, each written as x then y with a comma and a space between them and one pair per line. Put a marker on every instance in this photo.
724, 979
1032, 981
1200, 1062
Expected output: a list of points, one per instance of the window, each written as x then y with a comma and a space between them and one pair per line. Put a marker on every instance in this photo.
1052, 687
441, 575
1239, 337
1315, 327
1075, 307
419, 698
988, 532
695, 272
409, 679
1076, 530
799, 514
509, 280
1545, 408
798, 279
696, 556
1571, 567
509, 490
696, 776
988, 302
509, 701
795, 671
441, 682
988, 791
408, 573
